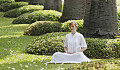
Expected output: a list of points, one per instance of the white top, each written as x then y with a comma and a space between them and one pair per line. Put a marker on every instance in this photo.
74, 42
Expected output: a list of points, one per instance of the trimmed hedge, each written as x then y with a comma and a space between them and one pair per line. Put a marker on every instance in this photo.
6, 1
37, 28
8, 6
104, 64
41, 15
17, 12
42, 27
65, 25
53, 42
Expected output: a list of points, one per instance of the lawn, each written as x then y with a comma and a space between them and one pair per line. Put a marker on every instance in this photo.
12, 49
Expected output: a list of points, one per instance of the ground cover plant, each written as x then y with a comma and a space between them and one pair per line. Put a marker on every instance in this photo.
25, 9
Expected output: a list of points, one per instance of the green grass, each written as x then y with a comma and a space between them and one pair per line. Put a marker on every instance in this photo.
12, 49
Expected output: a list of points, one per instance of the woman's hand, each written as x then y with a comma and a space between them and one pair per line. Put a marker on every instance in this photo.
70, 53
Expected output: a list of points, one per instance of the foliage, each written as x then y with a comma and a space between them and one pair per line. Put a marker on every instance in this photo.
42, 15
17, 12
42, 27
119, 15
6, 1
53, 42
8, 6
65, 25
109, 64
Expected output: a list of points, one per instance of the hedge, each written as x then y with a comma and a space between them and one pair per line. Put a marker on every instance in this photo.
6, 1
17, 12
42, 27
41, 15
65, 25
104, 64
8, 6
50, 43
38, 27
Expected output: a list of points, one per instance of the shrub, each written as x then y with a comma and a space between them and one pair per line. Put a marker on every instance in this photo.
42, 27
53, 42
17, 12
106, 64
42, 15
47, 44
37, 28
65, 25
13, 5
6, 1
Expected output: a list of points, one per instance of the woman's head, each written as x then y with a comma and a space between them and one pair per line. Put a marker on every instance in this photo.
73, 26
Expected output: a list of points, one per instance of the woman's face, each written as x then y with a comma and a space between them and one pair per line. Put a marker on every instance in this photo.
72, 28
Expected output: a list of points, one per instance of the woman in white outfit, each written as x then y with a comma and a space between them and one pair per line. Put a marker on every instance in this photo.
74, 45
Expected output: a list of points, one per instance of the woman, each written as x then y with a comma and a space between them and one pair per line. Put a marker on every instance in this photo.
74, 45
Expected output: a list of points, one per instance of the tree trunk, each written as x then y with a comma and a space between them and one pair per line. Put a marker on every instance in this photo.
100, 19
53, 5
73, 10
35, 2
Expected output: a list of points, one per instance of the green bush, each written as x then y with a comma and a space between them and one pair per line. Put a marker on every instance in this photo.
47, 44
42, 27
8, 6
6, 1
53, 42
65, 25
106, 64
42, 15
17, 12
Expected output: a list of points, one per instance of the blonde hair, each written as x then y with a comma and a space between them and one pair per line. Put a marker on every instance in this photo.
74, 23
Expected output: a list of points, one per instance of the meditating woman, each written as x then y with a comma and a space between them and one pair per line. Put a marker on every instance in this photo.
74, 45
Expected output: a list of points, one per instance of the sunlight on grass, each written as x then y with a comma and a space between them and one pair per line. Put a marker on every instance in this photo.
22, 57
18, 25
10, 36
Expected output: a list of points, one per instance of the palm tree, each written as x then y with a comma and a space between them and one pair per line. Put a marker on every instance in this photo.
100, 19
73, 9
53, 5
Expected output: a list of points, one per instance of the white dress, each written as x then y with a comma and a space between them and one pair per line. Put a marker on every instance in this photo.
73, 42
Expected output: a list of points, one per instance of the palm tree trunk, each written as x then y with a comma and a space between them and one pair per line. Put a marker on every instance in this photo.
73, 10
53, 5
100, 19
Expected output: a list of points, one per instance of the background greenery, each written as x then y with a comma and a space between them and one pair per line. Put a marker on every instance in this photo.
13, 57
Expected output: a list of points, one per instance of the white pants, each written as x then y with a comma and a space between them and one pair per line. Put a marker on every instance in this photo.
60, 57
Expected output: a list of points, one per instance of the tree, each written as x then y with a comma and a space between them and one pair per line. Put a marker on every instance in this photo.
73, 9
53, 5
34, 2
100, 19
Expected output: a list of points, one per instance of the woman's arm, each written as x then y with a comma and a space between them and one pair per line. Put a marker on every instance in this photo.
65, 49
83, 49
